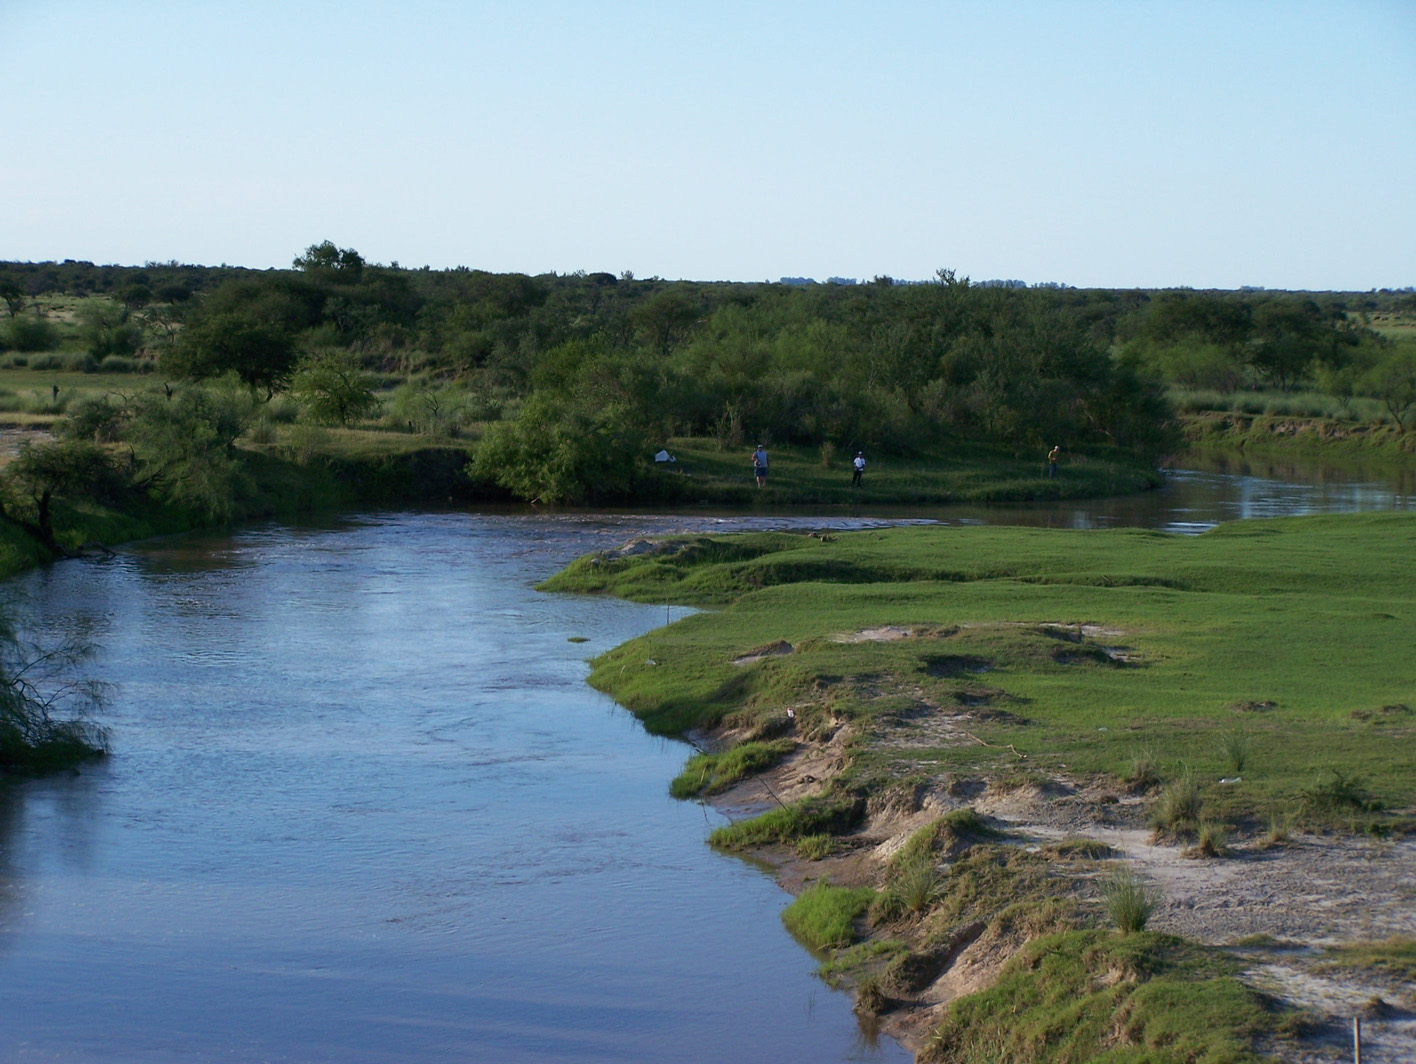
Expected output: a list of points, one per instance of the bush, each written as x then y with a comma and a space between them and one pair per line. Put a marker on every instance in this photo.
44, 710
1341, 794
27, 333
332, 388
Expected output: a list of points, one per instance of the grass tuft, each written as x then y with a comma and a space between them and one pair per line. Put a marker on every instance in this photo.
1177, 811
1213, 840
1129, 902
1235, 748
823, 916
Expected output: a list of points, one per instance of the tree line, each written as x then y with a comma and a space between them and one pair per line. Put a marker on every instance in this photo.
587, 372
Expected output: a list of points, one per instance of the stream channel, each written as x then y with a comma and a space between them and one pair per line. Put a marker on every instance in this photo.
362, 806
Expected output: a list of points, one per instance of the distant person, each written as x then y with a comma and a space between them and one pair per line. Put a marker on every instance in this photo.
759, 465
1052, 461
857, 469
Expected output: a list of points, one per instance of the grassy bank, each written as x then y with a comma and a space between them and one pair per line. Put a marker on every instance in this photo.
1082, 651
1255, 678
705, 474
1310, 437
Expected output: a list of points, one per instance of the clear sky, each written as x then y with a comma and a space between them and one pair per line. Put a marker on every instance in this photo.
1092, 143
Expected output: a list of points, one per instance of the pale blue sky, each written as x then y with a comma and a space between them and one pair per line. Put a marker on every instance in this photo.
1121, 143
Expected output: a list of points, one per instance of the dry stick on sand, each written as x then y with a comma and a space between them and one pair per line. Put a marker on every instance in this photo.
995, 746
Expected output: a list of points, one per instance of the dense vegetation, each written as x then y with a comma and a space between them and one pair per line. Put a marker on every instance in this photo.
579, 379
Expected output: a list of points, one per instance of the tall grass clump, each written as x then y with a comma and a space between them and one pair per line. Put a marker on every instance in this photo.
1213, 839
1236, 749
824, 917
1129, 902
1143, 773
1177, 811
914, 889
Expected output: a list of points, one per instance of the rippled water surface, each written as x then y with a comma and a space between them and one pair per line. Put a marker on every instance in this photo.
362, 807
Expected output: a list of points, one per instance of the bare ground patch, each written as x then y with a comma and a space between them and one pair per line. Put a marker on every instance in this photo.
1277, 906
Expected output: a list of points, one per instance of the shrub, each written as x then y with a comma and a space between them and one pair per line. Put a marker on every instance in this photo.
333, 389
30, 334
1341, 794
1129, 902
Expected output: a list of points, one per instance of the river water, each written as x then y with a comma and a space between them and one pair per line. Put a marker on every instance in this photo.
362, 806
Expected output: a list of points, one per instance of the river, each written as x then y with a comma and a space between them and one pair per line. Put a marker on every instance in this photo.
362, 806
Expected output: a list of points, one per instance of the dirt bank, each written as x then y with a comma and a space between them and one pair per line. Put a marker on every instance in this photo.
1277, 906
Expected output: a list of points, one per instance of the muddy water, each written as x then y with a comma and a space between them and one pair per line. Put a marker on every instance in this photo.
362, 807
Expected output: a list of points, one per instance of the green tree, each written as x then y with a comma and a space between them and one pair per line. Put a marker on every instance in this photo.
43, 473
1393, 380
325, 261
108, 328
261, 353
333, 388
562, 451
13, 295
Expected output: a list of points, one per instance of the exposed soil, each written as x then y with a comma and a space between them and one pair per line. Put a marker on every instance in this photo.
1302, 895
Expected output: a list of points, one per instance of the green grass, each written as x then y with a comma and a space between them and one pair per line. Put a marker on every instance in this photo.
1297, 631
824, 917
961, 472
707, 774
787, 824
1368, 436
1394, 957
1098, 996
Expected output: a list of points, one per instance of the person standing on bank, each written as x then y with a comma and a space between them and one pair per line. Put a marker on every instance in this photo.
759, 465
1052, 461
858, 469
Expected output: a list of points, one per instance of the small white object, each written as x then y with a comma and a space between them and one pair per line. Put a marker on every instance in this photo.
664, 456
1232, 779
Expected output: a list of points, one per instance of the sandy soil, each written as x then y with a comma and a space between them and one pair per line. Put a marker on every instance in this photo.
1305, 894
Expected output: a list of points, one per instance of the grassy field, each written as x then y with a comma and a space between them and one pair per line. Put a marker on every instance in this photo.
1281, 653
1261, 674
957, 473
